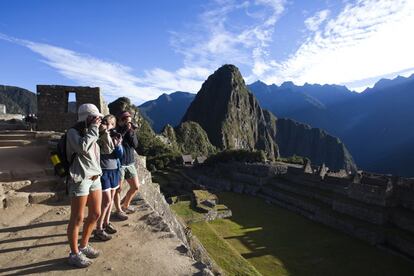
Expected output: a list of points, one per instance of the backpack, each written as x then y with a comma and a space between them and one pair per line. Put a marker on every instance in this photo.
59, 156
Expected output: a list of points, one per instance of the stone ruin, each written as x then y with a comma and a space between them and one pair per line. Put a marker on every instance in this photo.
378, 209
56, 109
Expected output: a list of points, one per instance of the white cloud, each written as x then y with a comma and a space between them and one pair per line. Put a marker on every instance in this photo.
313, 23
366, 40
113, 78
215, 40
226, 40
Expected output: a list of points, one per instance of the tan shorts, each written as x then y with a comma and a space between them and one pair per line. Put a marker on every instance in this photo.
128, 171
84, 187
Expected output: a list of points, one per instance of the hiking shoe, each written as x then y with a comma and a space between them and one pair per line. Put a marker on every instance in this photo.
79, 260
110, 228
130, 210
89, 252
101, 235
120, 215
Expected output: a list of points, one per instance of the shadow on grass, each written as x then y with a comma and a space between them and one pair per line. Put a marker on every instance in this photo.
280, 242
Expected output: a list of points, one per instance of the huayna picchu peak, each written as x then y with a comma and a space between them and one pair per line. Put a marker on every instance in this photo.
233, 119
231, 115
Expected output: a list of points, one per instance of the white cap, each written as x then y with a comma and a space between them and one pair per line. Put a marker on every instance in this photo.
86, 110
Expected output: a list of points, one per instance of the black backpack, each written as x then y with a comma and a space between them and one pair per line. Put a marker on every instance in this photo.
65, 163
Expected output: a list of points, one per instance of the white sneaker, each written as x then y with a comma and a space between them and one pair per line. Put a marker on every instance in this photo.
79, 260
89, 252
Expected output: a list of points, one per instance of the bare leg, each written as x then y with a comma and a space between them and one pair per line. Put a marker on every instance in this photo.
117, 198
108, 213
94, 211
77, 208
133, 190
106, 204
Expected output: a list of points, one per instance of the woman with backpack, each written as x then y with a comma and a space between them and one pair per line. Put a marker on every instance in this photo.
111, 152
84, 183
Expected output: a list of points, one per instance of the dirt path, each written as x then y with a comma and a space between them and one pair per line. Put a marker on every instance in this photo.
33, 241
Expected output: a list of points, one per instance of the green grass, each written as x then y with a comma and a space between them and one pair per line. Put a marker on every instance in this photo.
279, 242
222, 253
186, 212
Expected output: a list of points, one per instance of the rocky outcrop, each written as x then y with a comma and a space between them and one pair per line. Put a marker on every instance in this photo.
149, 144
231, 115
295, 138
18, 100
189, 138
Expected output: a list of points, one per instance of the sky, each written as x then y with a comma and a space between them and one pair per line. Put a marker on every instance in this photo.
141, 49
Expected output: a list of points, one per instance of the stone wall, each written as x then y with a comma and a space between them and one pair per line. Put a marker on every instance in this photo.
376, 208
150, 193
53, 108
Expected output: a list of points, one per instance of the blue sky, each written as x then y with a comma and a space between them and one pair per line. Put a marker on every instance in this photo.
141, 49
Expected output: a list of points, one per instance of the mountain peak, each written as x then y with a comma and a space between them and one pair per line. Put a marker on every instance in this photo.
287, 84
385, 83
230, 114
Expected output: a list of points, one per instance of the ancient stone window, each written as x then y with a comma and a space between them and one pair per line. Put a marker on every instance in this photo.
72, 104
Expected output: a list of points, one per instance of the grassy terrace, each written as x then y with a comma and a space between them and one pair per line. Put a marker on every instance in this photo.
265, 239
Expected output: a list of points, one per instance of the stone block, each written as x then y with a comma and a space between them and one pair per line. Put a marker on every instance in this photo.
15, 185
16, 199
43, 197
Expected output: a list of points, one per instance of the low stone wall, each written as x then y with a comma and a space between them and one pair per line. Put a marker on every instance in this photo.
151, 194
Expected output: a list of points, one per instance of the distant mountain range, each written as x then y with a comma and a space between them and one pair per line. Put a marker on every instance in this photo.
166, 109
375, 125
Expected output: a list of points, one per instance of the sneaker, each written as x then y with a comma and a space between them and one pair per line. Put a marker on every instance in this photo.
120, 215
79, 260
101, 235
129, 210
110, 228
89, 252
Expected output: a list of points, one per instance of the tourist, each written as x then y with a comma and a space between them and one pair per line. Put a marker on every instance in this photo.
111, 152
128, 169
84, 183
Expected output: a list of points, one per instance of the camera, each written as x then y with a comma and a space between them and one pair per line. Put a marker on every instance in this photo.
114, 134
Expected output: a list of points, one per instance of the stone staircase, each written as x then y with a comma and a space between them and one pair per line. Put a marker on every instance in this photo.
26, 175
16, 138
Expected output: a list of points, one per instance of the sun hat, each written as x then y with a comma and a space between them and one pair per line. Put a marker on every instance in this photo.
86, 110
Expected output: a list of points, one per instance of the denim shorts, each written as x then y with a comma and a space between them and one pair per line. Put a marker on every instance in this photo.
128, 171
110, 179
84, 187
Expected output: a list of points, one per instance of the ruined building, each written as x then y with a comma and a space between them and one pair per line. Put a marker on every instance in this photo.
57, 104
